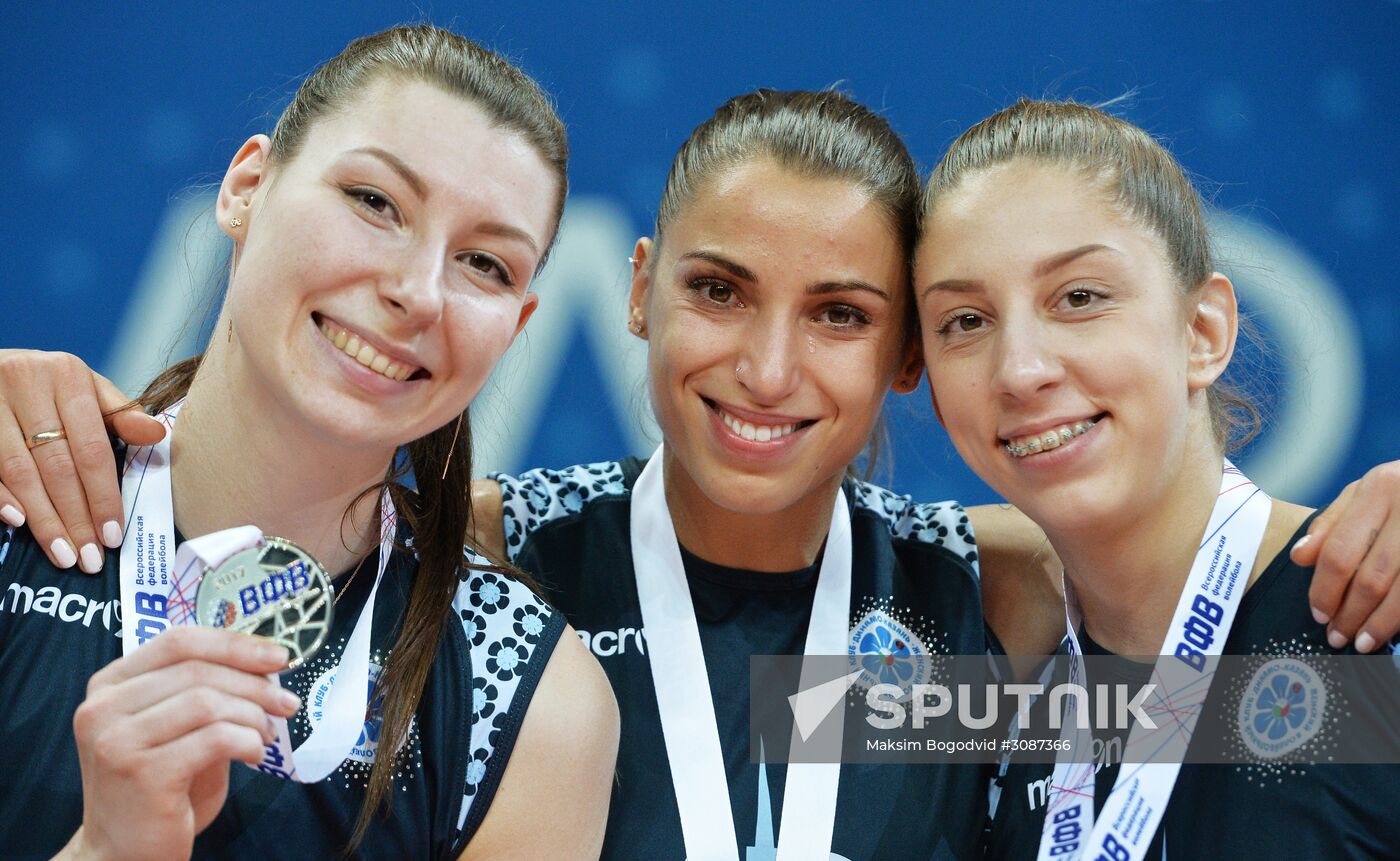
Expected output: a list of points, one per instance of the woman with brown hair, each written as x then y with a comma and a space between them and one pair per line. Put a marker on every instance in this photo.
1077, 334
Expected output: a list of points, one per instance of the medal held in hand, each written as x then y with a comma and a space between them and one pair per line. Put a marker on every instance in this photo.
274, 590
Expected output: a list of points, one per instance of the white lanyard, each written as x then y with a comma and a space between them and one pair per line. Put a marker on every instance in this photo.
683, 686
1199, 629
151, 581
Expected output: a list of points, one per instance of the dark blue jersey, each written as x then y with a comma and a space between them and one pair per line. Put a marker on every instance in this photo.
56, 629
1258, 809
914, 577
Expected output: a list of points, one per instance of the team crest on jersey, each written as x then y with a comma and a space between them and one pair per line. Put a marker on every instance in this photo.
368, 742
1282, 708
887, 652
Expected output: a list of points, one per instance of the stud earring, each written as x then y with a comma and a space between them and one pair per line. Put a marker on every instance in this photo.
635, 327
235, 222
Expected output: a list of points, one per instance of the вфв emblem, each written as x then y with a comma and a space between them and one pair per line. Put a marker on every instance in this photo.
275, 590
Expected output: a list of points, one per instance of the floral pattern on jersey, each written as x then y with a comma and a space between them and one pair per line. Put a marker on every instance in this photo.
474, 626
494, 610
484, 696
505, 659
540, 496
488, 592
943, 523
529, 622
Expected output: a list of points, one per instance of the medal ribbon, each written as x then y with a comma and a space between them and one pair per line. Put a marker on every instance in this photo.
1185, 668
153, 593
682, 684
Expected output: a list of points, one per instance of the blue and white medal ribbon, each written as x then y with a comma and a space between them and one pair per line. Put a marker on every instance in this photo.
683, 686
156, 588
1182, 675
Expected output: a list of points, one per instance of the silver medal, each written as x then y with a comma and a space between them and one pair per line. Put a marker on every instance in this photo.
276, 590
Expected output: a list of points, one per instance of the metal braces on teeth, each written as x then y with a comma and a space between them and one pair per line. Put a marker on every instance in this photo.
1050, 439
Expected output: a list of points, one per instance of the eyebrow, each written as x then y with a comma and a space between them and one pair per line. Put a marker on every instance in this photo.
416, 182
826, 287
821, 289
409, 176
1043, 268
724, 263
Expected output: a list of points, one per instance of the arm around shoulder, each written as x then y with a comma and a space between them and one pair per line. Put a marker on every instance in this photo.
554, 794
488, 531
1021, 580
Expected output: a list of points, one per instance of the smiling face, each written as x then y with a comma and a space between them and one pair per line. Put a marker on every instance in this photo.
1059, 346
382, 271
775, 309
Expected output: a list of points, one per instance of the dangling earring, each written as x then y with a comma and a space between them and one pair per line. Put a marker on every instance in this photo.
452, 448
230, 330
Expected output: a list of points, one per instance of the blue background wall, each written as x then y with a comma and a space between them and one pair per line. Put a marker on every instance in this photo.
1289, 111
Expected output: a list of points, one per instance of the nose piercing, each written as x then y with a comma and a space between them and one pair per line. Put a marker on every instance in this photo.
739, 371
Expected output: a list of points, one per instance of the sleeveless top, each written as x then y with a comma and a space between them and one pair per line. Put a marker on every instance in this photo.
914, 581
57, 629
1261, 808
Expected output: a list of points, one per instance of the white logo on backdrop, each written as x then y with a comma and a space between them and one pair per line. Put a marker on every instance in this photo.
584, 290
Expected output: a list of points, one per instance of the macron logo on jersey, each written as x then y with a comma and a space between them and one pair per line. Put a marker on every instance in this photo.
1105, 754
605, 644
19, 599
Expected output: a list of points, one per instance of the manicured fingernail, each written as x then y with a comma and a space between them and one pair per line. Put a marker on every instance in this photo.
1321, 617
91, 559
290, 701
112, 534
12, 516
1336, 639
1364, 643
1301, 542
63, 554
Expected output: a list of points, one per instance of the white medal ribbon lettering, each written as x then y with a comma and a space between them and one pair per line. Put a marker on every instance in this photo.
1196, 638
683, 694
149, 585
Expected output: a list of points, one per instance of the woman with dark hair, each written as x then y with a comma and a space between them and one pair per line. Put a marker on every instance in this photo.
384, 239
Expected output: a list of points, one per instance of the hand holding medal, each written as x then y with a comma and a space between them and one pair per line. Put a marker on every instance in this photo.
239, 580
158, 730
273, 589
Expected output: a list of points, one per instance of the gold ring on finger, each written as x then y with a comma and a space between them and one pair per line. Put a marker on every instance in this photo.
46, 437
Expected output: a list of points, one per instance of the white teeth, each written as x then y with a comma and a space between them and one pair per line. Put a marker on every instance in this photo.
1049, 439
756, 433
366, 355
